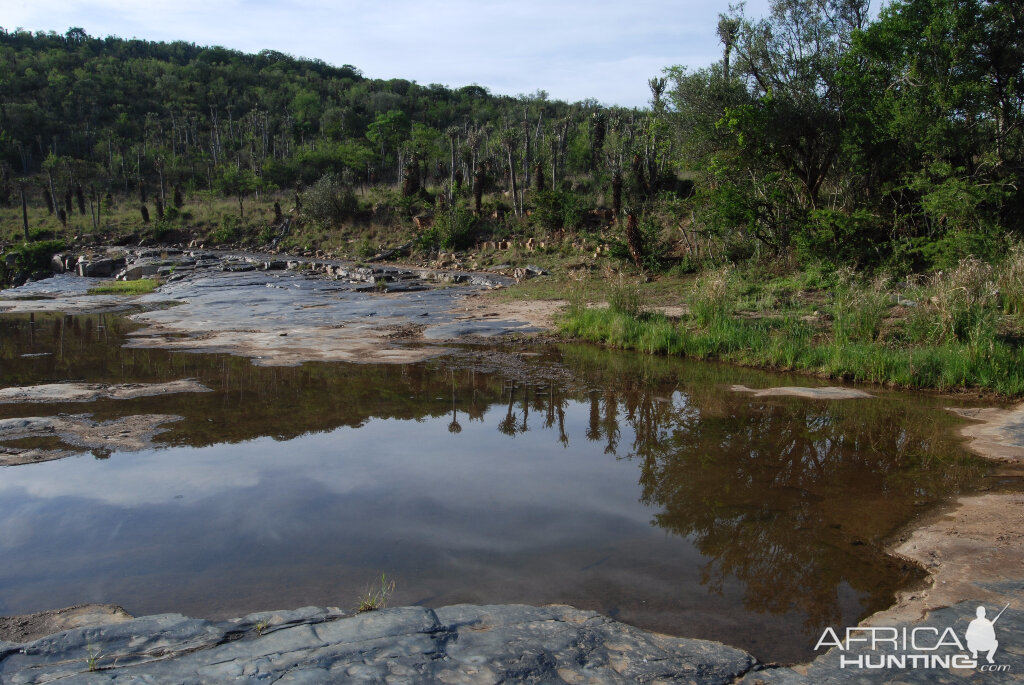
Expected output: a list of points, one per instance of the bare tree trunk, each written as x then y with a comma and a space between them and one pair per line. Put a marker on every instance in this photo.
526, 151
92, 210
53, 193
24, 212
515, 184
478, 189
634, 241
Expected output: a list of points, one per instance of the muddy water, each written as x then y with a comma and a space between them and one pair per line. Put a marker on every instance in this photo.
642, 488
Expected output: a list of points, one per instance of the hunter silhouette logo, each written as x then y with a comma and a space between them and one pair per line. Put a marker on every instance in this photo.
981, 635
918, 647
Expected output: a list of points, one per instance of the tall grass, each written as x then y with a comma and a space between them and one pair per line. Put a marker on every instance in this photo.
949, 332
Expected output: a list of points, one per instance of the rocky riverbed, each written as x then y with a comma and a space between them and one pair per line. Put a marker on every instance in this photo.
285, 312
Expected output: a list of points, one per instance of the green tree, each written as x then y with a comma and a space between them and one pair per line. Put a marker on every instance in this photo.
238, 183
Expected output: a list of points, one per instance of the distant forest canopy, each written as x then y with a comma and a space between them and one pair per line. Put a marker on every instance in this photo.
821, 134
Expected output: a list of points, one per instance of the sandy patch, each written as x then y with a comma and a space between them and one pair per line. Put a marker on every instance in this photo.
34, 626
89, 392
827, 393
538, 313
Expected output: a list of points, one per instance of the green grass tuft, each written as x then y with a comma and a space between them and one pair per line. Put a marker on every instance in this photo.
139, 287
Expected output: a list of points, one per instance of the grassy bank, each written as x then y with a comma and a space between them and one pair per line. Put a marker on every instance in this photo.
953, 330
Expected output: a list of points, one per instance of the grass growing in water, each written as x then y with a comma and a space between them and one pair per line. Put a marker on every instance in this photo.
139, 287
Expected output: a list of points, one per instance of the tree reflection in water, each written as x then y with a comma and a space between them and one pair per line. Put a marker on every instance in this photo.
789, 502
793, 498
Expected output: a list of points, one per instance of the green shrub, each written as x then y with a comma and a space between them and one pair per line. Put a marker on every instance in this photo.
330, 201
555, 210
452, 229
838, 237
227, 231
29, 257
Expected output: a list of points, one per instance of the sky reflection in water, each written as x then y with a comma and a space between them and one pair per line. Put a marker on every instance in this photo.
638, 487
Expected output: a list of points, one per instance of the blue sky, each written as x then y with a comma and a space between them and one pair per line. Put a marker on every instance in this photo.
570, 48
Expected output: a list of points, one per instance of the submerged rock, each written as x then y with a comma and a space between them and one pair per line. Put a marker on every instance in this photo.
827, 393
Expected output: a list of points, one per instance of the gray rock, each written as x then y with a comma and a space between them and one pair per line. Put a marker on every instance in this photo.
58, 263
99, 268
479, 644
135, 272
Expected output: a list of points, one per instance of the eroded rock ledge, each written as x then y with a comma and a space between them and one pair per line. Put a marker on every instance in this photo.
456, 644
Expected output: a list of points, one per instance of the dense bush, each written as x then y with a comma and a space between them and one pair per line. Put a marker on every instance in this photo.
330, 201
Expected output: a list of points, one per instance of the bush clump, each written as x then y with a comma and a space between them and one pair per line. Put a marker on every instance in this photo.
330, 201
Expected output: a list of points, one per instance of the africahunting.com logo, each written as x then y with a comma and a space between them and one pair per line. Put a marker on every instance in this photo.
880, 647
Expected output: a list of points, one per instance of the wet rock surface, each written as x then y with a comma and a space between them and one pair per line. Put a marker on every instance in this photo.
455, 644
277, 310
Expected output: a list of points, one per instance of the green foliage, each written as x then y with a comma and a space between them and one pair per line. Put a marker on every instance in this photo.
330, 201
239, 183
227, 232
555, 210
452, 229
29, 257
266, 235
838, 237
160, 229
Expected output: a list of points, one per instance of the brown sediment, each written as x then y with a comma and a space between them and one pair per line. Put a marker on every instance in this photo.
34, 626
130, 433
826, 393
89, 392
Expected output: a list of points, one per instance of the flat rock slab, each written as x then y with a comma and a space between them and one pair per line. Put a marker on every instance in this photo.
998, 435
456, 644
827, 393
89, 392
79, 432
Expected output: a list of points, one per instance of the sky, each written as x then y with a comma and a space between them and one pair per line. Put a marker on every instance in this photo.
573, 49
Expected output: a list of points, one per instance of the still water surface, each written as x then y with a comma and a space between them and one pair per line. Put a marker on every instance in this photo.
639, 487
